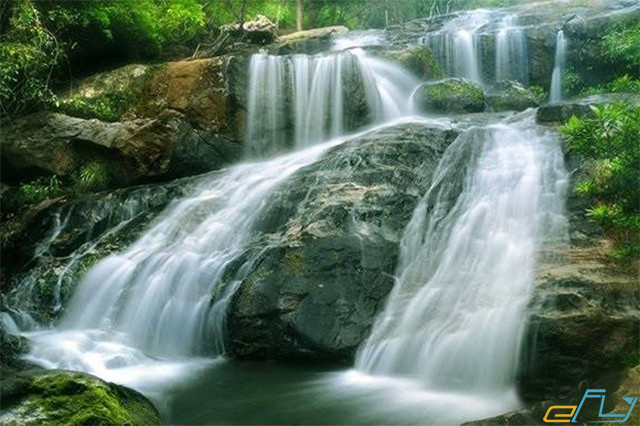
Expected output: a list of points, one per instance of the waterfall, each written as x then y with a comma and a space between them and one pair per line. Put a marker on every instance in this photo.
511, 52
300, 100
165, 296
457, 52
555, 93
456, 44
455, 318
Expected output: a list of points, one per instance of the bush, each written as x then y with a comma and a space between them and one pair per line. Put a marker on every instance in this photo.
621, 46
609, 143
624, 84
92, 177
42, 41
29, 54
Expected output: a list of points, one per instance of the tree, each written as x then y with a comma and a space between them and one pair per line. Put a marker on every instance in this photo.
299, 15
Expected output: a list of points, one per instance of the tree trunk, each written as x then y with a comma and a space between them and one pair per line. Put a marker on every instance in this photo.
299, 15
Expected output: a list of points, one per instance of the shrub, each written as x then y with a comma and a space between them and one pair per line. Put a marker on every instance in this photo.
621, 46
93, 176
29, 54
609, 143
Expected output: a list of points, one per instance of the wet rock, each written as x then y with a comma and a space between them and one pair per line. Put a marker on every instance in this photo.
48, 142
560, 112
583, 325
452, 95
325, 261
508, 95
62, 397
48, 247
13, 347
307, 42
419, 60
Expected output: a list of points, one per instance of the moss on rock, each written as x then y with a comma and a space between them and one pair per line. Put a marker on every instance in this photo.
71, 398
106, 96
450, 95
508, 95
420, 60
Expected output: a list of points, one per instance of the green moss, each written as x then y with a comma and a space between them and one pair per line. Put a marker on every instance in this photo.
67, 398
293, 261
452, 95
421, 61
105, 107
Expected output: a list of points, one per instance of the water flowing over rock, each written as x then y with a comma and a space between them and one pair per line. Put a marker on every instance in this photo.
329, 247
300, 100
455, 318
365, 208
555, 92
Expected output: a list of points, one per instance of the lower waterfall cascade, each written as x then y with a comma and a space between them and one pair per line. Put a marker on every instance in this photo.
455, 318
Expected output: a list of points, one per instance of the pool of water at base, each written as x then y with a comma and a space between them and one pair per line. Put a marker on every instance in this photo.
234, 392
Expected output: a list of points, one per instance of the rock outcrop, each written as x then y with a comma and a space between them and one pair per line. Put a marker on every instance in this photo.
510, 96
451, 95
560, 112
36, 397
328, 250
47, 248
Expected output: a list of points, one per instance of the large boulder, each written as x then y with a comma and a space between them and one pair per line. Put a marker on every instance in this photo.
419, 60
509, 95
47, 142
584, 327
451, 95
36, 397
328, 248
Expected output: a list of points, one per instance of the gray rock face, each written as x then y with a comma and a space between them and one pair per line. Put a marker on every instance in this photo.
56, 143
510, 96
560, 112
584, 324
326, 259
451, 95
48, 247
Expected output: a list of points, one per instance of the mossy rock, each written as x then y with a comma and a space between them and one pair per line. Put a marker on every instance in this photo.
71, 398
507, 95
107, 96
419, 60
455, 95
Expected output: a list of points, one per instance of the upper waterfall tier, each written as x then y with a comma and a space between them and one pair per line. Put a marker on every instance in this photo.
300, 100
465, 48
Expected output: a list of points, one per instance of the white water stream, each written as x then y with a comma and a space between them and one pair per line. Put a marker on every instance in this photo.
455, 318
555, 92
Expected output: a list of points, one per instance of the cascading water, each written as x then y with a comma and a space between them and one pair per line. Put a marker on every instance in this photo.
308, 99
555, 93
511, 51
166, 295
456, 45
455, 317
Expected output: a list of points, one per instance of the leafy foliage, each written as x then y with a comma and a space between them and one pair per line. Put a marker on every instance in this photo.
93, 176
624, 84
29, 54
609, 142
622, 46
